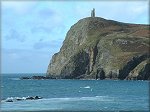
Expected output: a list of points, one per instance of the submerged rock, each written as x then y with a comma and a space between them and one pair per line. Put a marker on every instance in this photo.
25, 78
19, 99
9, 100
96, 48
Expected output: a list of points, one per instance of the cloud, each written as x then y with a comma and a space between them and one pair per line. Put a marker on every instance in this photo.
39, 29
51, 29
140, 6
14, 35
19, 7
41, 45
46, 13
51, 45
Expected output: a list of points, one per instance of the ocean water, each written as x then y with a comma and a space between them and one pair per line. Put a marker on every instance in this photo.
74, 95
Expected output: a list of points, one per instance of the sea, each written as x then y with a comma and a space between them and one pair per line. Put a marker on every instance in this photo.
64, 95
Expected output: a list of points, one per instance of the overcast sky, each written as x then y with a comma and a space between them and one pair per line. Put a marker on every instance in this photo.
32, 31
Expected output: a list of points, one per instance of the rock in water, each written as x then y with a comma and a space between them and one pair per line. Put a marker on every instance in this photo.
9, 100
37, 97
30, 98
96, 48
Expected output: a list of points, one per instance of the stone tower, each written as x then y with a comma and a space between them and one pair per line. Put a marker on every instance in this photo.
93, 13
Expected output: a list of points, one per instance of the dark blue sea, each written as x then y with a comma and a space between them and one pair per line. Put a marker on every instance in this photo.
74, 95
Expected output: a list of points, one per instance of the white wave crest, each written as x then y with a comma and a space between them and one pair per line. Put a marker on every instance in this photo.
70, 99
87, 87
14, 78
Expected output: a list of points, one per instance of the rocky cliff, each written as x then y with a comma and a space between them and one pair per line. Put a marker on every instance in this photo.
96, 48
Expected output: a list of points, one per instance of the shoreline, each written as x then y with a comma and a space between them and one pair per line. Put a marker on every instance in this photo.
59, 78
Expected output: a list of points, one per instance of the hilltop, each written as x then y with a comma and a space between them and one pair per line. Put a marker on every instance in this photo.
96, 48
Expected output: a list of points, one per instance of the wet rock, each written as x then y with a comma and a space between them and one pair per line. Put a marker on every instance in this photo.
25, 78
9, 100
100, 74
38, 77
14, 99
19, 99
30, 98
37, 97
33, 98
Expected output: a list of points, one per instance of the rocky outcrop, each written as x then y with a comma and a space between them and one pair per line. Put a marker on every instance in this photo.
96, 48
38, 77
140, 72
14, 99
132, 64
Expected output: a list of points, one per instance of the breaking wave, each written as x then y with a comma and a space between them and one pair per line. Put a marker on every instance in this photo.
86, 87
95, 98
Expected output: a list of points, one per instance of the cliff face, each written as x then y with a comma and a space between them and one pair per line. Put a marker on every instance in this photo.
96, 48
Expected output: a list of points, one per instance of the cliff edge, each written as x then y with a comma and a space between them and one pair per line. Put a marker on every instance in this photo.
96, 48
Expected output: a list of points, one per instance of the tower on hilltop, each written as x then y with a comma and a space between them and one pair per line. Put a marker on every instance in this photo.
93, 13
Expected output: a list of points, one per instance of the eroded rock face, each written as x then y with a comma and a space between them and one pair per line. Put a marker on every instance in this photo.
77, 66
140, 72
96, 48
131, 65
